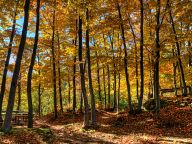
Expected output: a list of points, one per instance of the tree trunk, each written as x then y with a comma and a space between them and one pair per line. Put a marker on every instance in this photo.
19, 92
86, 114
39, 88
93, 111
104, 88
69, 91
125, 60
114, 75
156, 62
3, 83
59, 74
118, 97
54, 65
7, 122
30, 105
136, 62
109, 87
74, 85
98, 81
174, 74
184, 92
141, 59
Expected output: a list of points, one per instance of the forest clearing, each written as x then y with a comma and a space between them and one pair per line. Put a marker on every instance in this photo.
95, 71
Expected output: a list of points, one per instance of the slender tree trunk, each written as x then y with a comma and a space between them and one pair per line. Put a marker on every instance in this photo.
7, 122
104, 87
141, 59
184, 87
174, 74
125, 59
30, 105
69, 91
157, 56
114, 75
19, 92
93, 111
54, 65
3, 83
81, 102
39, 88
74, 72
136, 62
74, 84
109, 87
59, 74
118, 97
98, 80
86, 114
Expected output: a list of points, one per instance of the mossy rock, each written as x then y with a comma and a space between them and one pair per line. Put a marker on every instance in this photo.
151, 104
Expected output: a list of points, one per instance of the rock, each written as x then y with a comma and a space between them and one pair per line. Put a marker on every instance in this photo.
151, 104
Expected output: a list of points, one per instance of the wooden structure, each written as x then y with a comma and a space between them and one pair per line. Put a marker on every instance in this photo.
18, 117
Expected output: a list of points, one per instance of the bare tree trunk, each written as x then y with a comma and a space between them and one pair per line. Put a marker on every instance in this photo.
30, 105
74, 72
3, 83
98, 80
104, 87
74, 85
184, 92
174, 74
114, 75
141, 58
118, 97
59, 74
109, 87
125, 59
156, 63
136, 62
54, 65
69, 91
93, 111
19, 92
7, 122
39, 88
86, 114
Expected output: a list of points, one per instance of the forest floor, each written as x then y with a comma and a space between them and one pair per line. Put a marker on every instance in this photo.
174, 125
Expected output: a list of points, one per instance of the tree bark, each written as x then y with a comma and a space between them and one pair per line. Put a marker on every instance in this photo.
59, 74
156, 62
86, 109
141, 58
7, 122
93, 111
74, 71
174, 74
98, 80
19, 93
54, 65
184, 92
109, 87
30, 105
3, 83
114, 75
74, 84
39, 88
69, 91
104, 88
136, 62
125, 59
